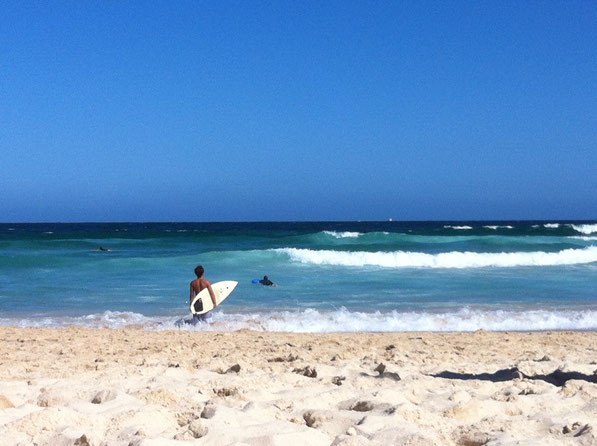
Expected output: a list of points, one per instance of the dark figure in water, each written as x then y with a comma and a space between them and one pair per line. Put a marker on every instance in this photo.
265, 281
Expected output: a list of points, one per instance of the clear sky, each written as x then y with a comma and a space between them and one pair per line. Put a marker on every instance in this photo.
297, 110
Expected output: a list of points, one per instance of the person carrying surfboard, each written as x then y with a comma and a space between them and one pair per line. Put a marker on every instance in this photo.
200, 283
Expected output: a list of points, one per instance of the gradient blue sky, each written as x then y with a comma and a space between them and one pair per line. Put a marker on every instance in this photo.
242, 111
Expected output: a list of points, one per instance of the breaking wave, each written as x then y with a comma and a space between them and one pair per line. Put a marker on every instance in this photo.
585, 229
341, 320
345, 234
455, 259
496, 227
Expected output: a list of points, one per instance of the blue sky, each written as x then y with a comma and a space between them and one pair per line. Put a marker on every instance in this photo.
243, 111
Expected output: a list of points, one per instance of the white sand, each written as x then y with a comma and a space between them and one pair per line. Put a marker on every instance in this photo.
133, 387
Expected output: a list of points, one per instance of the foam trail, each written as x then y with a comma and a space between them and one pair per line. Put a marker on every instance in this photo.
461, 228
454, 259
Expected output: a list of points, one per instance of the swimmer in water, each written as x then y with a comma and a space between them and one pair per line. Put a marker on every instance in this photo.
265, 281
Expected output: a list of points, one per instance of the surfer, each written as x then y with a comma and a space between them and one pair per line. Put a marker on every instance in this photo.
200, 283
102, 249
265, 281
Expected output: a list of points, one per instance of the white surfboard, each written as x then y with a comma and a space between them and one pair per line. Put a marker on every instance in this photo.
202, 302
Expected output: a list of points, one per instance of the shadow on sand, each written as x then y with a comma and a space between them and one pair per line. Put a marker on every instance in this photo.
556, 378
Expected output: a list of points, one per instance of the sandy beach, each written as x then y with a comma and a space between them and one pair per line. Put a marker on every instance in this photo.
78, 386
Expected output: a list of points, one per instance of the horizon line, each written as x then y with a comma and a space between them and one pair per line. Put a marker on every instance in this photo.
390, 220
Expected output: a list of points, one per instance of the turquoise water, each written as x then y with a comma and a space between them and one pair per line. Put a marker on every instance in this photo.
332, 276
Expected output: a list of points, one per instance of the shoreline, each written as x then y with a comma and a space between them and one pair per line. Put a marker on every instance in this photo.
143, 387
339, 320
143, 328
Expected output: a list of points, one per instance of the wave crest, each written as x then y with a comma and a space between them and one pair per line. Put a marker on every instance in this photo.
345, 234
496, 227
454, 259
585, 229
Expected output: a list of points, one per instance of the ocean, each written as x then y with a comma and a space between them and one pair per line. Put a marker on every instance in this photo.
331, 276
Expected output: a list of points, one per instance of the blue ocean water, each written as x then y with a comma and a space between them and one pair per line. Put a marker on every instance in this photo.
332, 276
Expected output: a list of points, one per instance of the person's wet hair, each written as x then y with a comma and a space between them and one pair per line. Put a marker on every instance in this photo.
199, 271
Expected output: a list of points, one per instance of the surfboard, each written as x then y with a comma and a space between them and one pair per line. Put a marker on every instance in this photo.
202, 302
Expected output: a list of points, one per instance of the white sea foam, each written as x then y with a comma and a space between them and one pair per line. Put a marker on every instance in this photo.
583, 237
495, 227
108, 319
461, 228
341, 320
345, 234
585, 229
454, 259
464, 320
